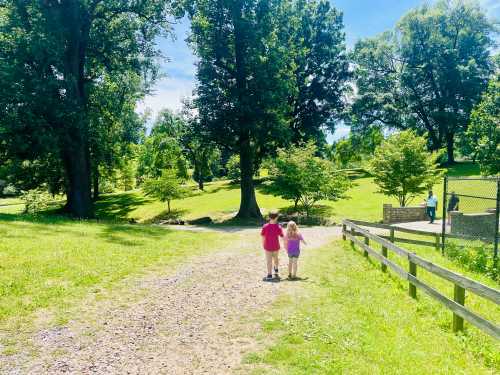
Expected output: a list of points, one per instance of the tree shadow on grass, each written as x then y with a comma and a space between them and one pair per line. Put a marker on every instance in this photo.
118, 206
38, 227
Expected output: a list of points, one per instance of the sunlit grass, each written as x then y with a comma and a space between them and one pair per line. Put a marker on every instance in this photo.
351, 318
50, 263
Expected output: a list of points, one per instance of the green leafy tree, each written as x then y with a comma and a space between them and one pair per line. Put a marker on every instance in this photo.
201, 151
162, 148
243, 81
484, 131
321, 68
270, 72
428, 74
166, 188
54, 55
299, 175
403, 168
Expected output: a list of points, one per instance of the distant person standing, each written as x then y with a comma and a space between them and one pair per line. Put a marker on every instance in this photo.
431, 204
452, 205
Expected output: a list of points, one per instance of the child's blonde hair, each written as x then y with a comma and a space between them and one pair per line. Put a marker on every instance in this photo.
292, 230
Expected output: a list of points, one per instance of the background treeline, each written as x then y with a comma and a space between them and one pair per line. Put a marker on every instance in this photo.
272, 76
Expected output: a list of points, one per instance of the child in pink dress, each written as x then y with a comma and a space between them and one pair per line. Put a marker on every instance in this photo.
293, 238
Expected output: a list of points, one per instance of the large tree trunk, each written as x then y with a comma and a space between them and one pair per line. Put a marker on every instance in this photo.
248, 205
450, 148
79, 200
76, 24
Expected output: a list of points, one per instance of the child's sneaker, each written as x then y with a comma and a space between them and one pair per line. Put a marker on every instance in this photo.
268, 278
277, 276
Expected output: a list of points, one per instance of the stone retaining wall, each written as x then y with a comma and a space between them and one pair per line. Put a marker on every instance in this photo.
480, 225
404, 214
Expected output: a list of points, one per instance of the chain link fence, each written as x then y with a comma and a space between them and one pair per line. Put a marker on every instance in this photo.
471, 214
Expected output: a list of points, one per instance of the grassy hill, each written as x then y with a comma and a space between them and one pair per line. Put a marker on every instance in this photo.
221, 199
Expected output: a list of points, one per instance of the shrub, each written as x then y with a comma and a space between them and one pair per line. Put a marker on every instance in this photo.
36, 200
477, 257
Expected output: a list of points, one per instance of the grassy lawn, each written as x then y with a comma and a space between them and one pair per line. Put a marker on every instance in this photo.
351, 318
54, 262
221, 200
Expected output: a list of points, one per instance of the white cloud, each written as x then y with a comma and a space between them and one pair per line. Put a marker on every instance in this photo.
168, 93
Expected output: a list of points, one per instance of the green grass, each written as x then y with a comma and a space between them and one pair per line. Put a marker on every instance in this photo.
53, 263
350, 318
221, 200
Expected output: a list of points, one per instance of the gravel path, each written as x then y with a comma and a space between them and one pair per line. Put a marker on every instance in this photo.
192, 321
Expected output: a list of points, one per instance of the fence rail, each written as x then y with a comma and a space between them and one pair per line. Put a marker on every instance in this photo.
350, 230
437, 243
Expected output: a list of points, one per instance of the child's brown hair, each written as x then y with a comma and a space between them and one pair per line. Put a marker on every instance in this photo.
273, 215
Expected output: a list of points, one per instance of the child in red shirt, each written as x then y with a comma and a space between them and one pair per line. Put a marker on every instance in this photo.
270, 241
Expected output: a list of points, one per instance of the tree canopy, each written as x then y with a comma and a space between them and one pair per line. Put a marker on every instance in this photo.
403, 168
427, 74
268, 72
59, 60
484, 130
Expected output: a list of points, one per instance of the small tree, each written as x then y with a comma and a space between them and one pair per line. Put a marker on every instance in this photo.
403, 168
300, 176
483, 134
166, 188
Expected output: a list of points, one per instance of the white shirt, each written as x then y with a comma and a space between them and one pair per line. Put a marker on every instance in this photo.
432, 201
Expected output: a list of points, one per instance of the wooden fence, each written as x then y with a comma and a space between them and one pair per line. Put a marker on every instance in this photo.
437, 237
350, 230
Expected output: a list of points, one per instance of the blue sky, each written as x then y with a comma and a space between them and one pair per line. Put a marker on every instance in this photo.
362, 18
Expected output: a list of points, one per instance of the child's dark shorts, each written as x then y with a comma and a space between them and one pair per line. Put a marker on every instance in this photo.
293, 255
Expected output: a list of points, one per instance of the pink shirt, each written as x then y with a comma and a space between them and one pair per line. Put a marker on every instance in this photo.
271, 233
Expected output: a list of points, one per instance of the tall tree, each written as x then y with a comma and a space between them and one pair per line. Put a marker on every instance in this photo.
243, 81
426, 75
321, 69
54, 54
270, 72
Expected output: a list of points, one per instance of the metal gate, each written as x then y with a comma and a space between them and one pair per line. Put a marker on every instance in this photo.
471, 208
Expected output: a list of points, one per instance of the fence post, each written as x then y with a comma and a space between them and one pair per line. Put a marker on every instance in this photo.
353, 233
384, 254
412, 289
344, 229
391, 235
367, 242
443, 224
458, 297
